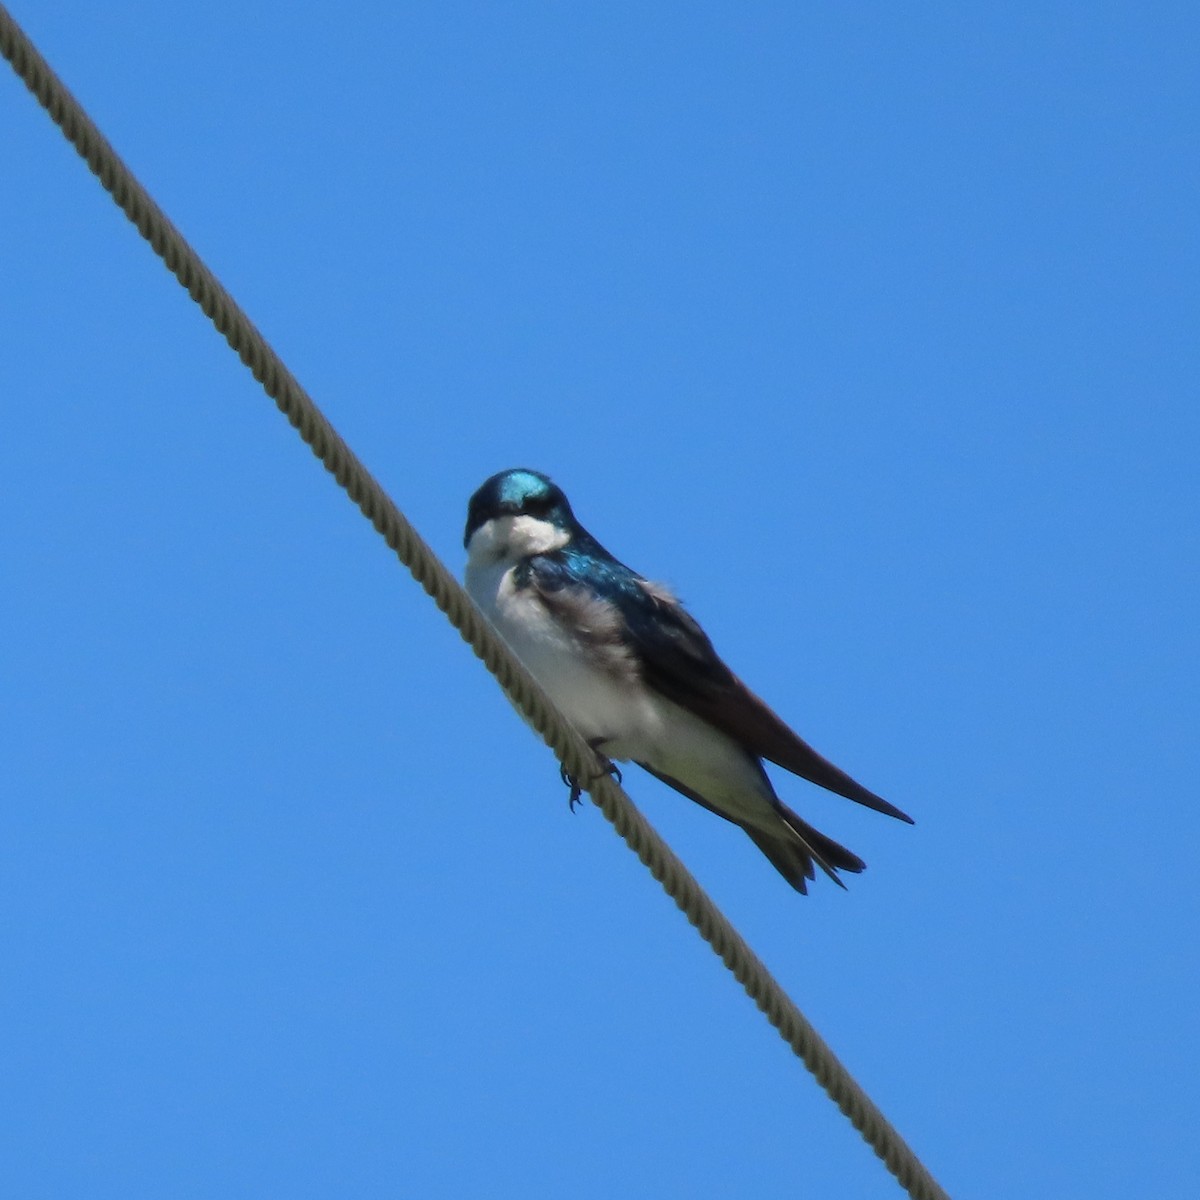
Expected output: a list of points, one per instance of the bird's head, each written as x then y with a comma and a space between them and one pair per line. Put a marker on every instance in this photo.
517, 513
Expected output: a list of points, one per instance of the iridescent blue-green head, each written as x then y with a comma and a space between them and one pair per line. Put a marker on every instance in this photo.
519, 492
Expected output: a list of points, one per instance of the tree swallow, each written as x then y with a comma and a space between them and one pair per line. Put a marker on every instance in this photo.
637, 676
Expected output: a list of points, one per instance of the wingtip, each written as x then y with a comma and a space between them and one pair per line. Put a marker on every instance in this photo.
868, 799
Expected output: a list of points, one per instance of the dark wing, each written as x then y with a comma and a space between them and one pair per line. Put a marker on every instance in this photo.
678, 661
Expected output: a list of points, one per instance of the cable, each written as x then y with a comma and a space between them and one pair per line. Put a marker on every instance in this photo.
572, 751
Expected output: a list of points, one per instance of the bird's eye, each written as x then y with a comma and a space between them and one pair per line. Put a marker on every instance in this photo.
537, 506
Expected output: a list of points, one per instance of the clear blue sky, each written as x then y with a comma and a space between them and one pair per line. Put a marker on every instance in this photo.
871, 329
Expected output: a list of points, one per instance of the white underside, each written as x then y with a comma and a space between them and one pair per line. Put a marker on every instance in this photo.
634, 722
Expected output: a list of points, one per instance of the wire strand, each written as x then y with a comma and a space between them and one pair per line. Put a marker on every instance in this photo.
524, 693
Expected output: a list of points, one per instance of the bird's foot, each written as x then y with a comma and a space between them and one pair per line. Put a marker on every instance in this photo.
610, 768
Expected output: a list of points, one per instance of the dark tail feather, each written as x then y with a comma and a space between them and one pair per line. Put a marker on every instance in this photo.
792, 850
793, 856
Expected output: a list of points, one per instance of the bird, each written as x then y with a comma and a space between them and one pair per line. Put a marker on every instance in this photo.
634, 673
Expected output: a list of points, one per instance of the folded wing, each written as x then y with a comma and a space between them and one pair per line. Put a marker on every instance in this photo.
677, 659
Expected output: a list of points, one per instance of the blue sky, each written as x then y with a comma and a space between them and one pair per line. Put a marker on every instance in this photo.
870, 329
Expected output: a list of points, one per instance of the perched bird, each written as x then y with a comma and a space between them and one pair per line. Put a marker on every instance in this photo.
637, 676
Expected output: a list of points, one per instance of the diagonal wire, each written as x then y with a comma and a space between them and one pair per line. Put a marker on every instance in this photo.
572, 751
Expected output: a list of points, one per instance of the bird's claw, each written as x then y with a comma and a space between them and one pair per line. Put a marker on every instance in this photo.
609, 768
573, 784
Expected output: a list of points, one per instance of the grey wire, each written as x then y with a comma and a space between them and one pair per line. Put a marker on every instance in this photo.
572, 752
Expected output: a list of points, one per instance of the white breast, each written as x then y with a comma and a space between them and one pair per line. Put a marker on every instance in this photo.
609, 704
598, 702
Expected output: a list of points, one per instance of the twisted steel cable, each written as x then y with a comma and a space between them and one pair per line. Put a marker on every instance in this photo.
526, 695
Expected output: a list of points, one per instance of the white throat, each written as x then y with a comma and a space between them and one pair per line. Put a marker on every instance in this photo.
510, 539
